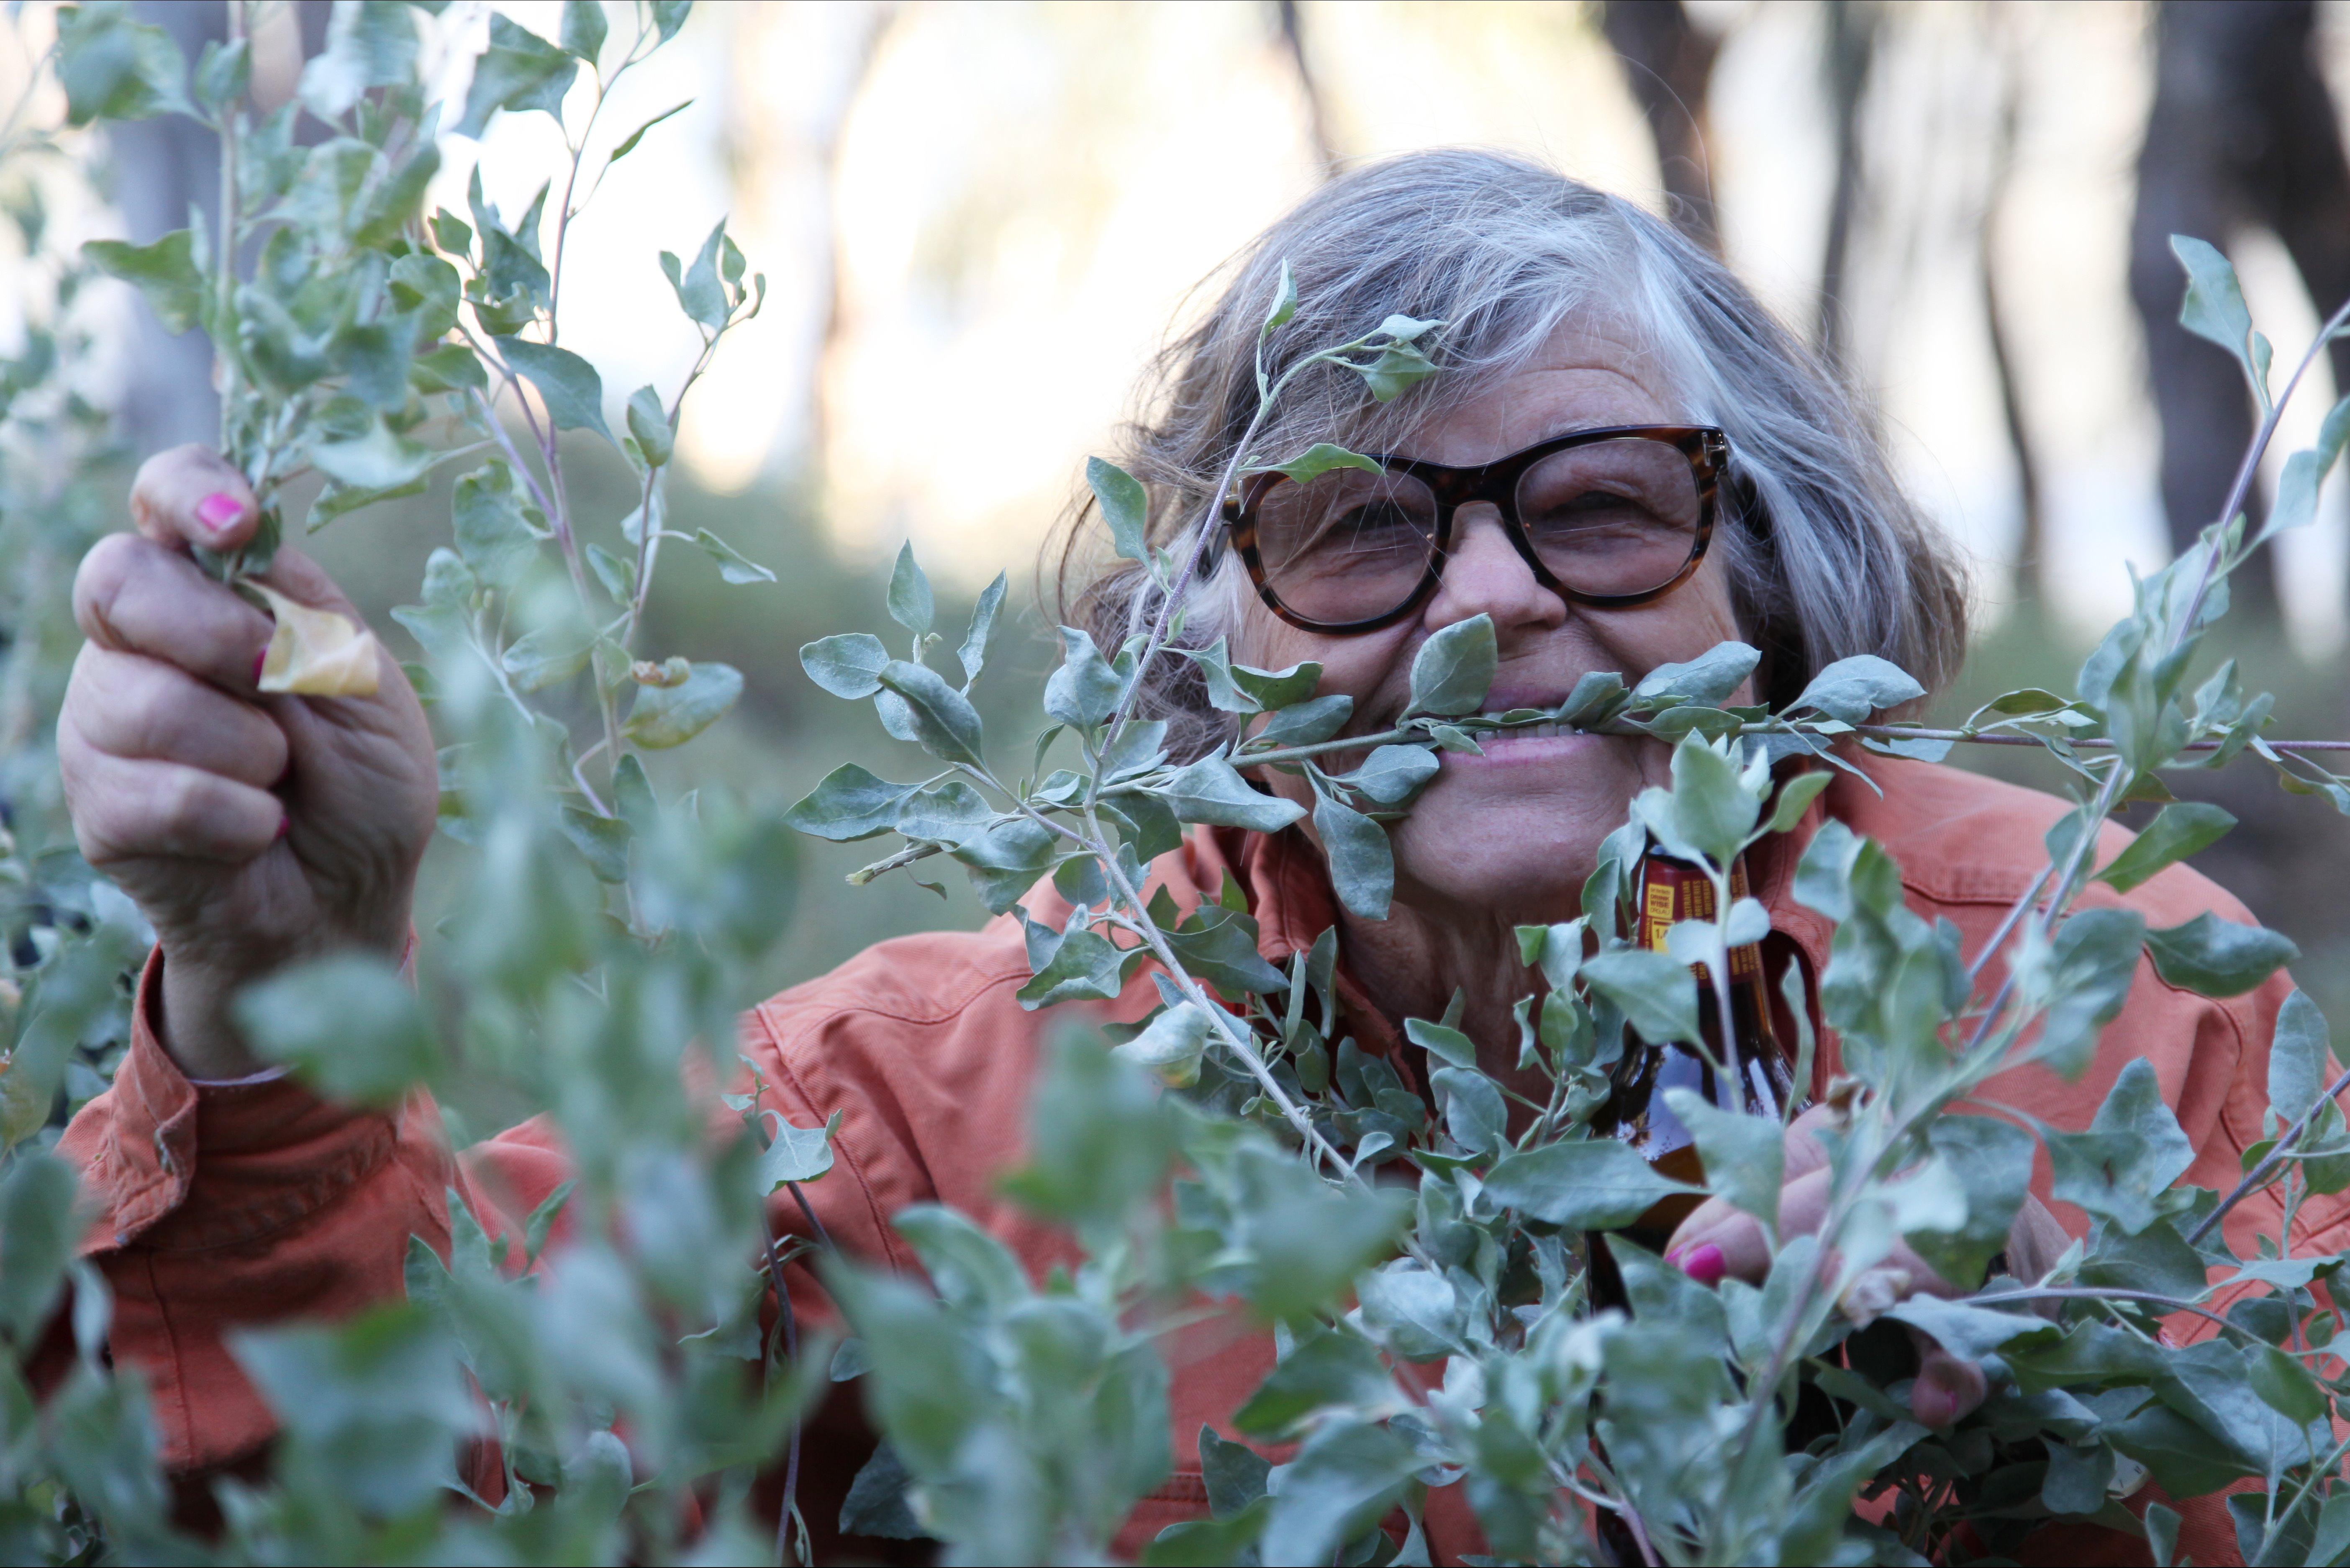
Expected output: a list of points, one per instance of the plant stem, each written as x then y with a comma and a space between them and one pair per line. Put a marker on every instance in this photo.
2258, 1177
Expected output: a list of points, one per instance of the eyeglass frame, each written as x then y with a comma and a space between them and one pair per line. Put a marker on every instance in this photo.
1706, 447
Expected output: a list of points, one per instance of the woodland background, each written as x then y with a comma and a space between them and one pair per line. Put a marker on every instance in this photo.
978, 220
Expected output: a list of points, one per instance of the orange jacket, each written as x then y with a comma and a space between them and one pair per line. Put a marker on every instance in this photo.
238, 1205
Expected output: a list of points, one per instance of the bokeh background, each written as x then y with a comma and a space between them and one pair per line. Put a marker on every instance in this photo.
978, 220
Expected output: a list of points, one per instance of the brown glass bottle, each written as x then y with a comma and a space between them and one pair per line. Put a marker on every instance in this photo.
1673, 891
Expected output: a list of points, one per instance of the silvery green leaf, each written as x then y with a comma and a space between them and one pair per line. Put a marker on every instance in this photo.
1085, 965
1707, 679
973, 654
2129, 1157
1224, 694
1006, 859
542, 657
1210, 791
945, 814
1276, 688
1284, 300
1852, 689
2178, 831
797, 1153
848, 665
37, 1232
1393, 775
1969, 1331
1320, 459
1599, 1184
114, 68
733, 564
1474, 1113
1415, 1314
1398, 368
1085, 691
1218, 945
945, 723
1598, 696
1992, 1161
1331, 1370
2300, 1058
649, 422
520, 72
910, 603
699, 292
377, 461
1454, 669
1656, 993
349, 1025
1362, 862
1745, 1157
1447, 1045
664, 716
1823, 875
1125, 507
1406, 329
1713, 811
1795, 797
1140, 746
1305, 723
583, 30
1170, 1049
573, 392
1345, 1478
971, 1268
850, 803
2217, 957
627, 143
2304, 474
2213, 309
165, 273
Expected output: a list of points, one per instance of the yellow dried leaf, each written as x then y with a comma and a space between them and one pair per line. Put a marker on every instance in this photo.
316, 653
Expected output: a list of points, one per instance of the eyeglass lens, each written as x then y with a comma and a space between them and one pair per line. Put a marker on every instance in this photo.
1613, 517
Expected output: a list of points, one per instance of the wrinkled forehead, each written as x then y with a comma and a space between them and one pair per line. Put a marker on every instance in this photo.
1509, 379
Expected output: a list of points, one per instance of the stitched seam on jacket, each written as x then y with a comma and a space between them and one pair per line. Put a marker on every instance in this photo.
281, 1210
185, 1418
947, 1012
848, 1155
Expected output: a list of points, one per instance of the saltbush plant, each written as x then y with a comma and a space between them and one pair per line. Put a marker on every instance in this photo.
1223, 1150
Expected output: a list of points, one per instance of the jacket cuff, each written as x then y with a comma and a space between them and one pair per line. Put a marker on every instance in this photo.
184, 1166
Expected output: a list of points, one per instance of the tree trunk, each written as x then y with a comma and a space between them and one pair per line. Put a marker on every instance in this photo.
1668, 64
2242, 133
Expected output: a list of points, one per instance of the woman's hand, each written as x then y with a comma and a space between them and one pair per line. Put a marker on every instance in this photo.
253, 831
1718, 1240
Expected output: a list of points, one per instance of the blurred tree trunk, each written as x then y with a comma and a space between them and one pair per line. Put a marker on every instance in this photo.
1293, 39
1849, 52
2028, 583
1668, 64
161, 168
830, 125
2242, 133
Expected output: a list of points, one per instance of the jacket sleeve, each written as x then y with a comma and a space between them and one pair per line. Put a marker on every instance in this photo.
221, 1207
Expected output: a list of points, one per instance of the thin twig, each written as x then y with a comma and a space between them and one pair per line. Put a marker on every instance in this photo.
2258, 1177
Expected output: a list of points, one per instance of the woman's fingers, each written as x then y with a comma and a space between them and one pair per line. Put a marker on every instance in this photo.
135, 595
128, 705
131, 808
192, 496
1948, 1388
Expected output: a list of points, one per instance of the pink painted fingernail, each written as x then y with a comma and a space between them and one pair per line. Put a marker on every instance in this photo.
218, 510
260, 663
1704, 1264
284, 824
1933, 1405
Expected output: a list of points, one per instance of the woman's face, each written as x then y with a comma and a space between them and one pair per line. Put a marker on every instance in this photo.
1512, 834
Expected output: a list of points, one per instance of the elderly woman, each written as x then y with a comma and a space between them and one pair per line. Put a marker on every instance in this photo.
1585, 341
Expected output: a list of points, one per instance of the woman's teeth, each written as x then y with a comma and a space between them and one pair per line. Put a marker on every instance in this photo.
1544, 731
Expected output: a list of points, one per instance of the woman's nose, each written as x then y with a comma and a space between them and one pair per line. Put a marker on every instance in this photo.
1484, 574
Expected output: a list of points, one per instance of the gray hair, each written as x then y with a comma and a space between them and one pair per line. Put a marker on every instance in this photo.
1827, 557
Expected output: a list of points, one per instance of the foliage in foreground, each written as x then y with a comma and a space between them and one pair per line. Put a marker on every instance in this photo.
1425, 1271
